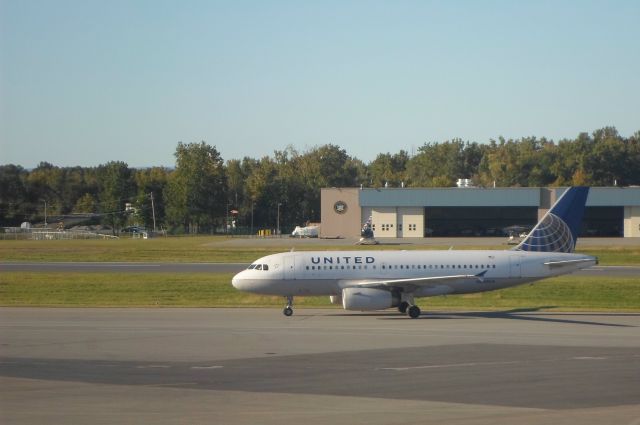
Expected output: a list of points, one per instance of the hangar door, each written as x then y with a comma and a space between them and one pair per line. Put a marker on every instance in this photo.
477, 221
603, 221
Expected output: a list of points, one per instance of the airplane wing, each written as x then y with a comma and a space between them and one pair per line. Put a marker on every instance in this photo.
412, 284
557, 264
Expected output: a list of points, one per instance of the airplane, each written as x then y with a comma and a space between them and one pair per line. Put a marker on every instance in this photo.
376, 280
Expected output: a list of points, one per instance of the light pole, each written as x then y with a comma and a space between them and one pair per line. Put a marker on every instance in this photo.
278, 228
45, 212
153, 211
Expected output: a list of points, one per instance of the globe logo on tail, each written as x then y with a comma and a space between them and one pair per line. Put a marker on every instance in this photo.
551, 234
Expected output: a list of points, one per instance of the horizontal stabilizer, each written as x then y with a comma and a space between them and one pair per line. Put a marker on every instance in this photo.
556, 264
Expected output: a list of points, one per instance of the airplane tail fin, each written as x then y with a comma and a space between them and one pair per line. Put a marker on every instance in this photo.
558, 230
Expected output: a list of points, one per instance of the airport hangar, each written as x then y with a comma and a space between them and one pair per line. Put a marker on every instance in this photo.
424, 212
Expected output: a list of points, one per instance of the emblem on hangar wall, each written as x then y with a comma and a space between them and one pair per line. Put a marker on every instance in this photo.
340, 207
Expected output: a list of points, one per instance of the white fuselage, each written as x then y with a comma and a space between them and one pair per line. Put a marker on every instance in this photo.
329, 272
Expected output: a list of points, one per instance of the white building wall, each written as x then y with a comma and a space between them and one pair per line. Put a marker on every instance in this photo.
384, 222
631, 222
410, 222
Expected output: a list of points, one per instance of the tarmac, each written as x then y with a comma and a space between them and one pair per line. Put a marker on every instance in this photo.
255, 366
287, 242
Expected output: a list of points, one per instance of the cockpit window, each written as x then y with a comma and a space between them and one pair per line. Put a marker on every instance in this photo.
265, 267
258, 266
253, 266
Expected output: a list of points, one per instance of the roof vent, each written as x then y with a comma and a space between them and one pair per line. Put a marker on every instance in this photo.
465, 183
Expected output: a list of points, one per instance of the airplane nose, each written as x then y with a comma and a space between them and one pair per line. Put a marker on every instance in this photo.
237, 281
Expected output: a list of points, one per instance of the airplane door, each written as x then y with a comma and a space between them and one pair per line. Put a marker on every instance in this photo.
289, 267
515, 269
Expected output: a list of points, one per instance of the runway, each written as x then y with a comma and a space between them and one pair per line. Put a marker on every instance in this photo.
121, 267
248, 366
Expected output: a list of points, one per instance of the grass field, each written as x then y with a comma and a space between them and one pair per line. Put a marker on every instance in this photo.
213, 249
184, 249
568, 293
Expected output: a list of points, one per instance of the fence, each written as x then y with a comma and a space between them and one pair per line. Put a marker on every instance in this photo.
12, 233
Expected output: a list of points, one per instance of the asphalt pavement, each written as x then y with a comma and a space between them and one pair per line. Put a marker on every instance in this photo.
248, 366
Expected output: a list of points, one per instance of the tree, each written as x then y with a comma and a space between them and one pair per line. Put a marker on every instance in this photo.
116, 188
389, 169
606, 158
86, 204
45, 183
439, 164
151, 184
632, 170
570, 161
262, 191
13, 194
196, 194
523, 162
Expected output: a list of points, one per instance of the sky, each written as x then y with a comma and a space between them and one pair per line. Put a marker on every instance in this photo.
84, 82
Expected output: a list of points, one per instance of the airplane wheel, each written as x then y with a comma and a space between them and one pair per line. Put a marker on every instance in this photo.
414, 311
402, 308
288, 311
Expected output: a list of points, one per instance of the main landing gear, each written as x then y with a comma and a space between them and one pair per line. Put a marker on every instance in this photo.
407, 307
288, 310
414, 311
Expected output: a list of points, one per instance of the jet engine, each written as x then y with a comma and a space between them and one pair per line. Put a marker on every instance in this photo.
368, 299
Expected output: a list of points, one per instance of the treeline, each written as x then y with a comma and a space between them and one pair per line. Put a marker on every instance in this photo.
200, 193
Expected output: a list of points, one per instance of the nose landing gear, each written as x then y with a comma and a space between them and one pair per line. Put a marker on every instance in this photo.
288, 310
